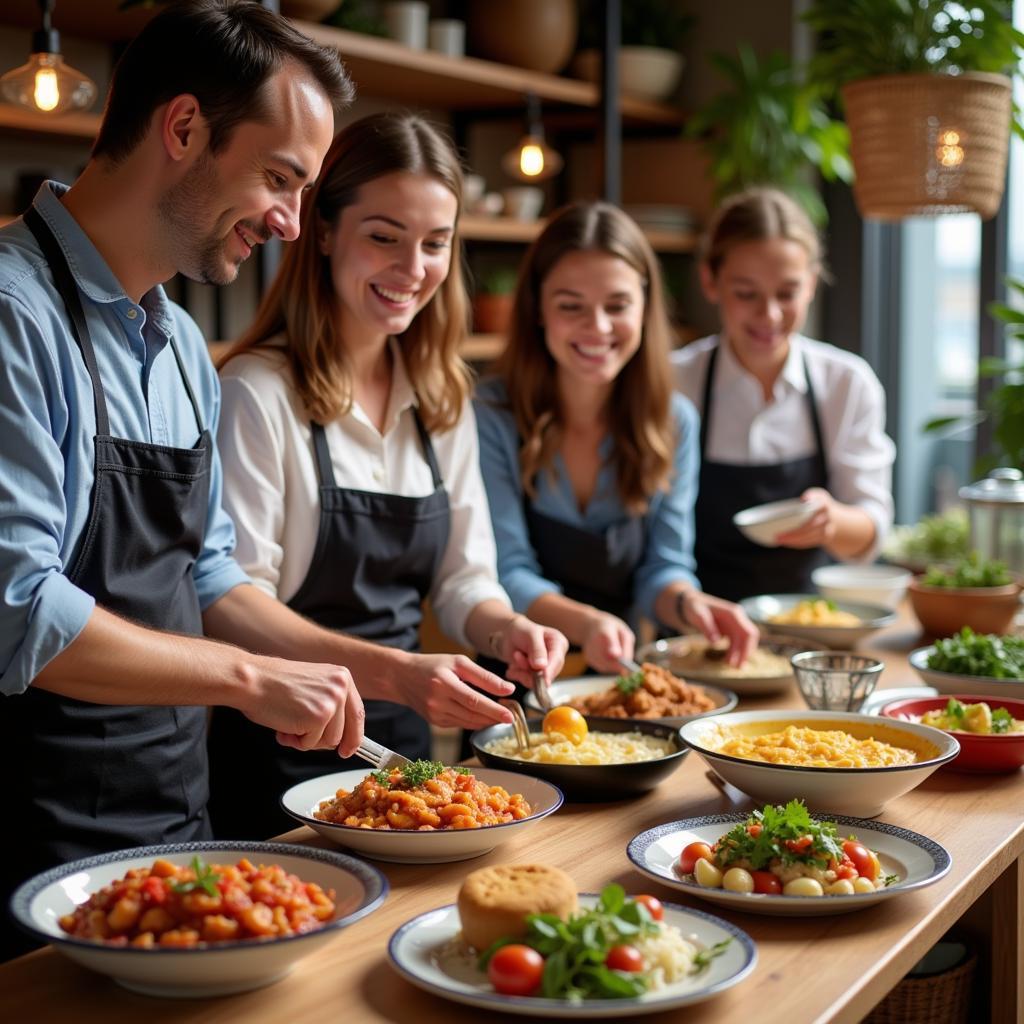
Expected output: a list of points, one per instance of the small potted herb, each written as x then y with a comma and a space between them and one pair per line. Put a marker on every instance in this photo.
492, 301
975, 592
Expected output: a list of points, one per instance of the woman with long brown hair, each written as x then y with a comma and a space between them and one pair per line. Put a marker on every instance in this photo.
589, 459
350, 458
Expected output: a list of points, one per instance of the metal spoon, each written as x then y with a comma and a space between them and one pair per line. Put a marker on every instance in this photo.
542, 692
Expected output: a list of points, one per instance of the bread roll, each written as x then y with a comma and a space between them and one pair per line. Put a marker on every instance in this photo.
493, 902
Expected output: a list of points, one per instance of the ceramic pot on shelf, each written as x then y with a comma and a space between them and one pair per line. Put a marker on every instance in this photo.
647, 72
535, 34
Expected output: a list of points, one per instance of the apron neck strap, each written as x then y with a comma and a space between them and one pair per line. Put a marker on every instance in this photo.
64, 281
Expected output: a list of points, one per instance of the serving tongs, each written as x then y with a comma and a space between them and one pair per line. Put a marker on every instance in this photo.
520, 729
629, 665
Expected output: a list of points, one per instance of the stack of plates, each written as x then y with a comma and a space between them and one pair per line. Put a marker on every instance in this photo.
662, 217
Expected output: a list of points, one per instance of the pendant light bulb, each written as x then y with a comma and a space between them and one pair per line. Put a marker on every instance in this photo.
45, 84
532, 159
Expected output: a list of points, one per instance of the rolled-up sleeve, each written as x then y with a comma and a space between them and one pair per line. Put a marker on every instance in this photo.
668, 557
41, 611
519, 571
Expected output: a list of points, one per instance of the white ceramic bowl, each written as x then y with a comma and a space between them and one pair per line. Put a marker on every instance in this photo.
882, 585
953, 683
763, 608
415, 847
861, 792
565, 690
763, 523
213, 970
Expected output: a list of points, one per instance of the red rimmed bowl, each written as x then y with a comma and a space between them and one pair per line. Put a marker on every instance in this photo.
978, 752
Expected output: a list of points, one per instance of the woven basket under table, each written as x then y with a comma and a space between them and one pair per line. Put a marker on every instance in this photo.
943, 998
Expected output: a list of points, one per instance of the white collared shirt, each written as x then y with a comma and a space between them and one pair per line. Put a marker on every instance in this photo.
747, 430
271, 485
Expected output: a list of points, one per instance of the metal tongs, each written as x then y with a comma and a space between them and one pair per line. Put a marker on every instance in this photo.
629, 665
520, 729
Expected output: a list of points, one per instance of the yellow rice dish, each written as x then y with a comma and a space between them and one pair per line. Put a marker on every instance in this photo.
596, 748
817, 748
815, 613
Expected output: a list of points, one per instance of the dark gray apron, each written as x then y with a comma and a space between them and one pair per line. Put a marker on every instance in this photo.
87, 778
728, 564
376, 558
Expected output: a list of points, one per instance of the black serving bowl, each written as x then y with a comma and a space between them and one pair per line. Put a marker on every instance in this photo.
592, 782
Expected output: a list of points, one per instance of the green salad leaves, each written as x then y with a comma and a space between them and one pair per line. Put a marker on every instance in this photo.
975, 654
764, 835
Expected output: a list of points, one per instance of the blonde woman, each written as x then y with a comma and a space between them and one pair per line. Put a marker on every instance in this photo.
350, 458
590, 461
782, 416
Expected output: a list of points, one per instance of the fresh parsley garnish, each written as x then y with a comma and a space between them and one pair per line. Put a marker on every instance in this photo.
955, 710
631, 683
765, 834
891, 879
974, 654
206, 879
705, 956
415, 773
1002, 720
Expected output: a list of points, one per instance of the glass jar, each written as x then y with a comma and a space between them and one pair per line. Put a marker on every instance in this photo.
995, 507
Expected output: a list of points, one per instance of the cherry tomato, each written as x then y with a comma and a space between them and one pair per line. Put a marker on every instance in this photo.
693, 853
515, 970
754, 830
844, 869
624, 958
863, 859
653, 905
568, 722
800, 845
766, 882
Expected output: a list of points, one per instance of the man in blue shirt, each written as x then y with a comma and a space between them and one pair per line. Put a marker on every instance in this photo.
115, 554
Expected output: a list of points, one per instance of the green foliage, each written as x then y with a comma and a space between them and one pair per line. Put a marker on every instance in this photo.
863, 38
972, 571
939, 538
1005, 402
413, 774
644, 23
359, 16
630, 683
768, 128
206, 879
498, 281
975, 654
778, 824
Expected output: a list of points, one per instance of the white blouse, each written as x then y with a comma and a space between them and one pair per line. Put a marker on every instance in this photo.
271, 488
745, 429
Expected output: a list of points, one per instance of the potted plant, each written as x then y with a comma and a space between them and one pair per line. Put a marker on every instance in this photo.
927, 97
652, 32
492, 301
768, 128
975, 592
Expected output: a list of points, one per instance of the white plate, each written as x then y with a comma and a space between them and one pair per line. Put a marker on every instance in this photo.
415, 847
211, 970
565, 690
872, 618
662, 652
416, 952
952, 683
918, 862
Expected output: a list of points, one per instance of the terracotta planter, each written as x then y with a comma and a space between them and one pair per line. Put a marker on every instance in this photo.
535, 34
492, 313
943, 611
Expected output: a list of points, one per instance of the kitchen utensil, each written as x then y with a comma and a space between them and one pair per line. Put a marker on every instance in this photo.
520, 729
831, 681
629, 665
541, 691
380, 756
995, 509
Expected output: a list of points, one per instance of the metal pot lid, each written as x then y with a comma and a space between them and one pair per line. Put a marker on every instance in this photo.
1003, 486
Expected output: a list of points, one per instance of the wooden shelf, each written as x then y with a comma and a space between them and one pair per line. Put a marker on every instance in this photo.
504, 229
388, 70
77, 126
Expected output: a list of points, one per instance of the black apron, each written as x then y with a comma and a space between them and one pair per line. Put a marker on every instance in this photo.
375, 560
728, 564
88, 778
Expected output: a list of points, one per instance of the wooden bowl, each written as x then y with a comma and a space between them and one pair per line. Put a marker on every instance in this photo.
943, 611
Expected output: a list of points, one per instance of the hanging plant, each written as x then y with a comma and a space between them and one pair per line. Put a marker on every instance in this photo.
768, 127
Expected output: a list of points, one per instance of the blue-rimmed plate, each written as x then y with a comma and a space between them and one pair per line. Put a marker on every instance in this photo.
425, 952
439, 846
214, 969
916, 861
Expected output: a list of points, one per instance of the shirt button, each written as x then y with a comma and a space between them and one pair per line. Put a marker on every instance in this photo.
132, 313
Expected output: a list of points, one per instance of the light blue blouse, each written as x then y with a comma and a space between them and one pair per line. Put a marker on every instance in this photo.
668, 522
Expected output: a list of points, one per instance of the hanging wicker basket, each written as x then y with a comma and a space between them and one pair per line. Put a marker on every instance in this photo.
928, 144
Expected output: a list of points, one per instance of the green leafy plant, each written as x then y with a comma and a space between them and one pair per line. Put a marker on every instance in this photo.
977, 654
863, 38
1004, 404
644, 23
498, 281
359, 16
935, 538
768, 127
973, 571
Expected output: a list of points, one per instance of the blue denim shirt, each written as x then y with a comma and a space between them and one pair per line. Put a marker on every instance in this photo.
669, 526
47, 425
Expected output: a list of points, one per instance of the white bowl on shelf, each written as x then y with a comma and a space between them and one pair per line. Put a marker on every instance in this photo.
763, 523
882, 585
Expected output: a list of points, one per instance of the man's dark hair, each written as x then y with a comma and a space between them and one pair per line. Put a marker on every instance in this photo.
221, 52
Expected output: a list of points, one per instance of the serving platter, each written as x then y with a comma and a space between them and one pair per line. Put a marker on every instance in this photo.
421, 952
953, 683
917, 860
401, 846
763, 609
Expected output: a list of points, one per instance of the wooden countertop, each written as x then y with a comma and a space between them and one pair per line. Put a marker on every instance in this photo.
809, 969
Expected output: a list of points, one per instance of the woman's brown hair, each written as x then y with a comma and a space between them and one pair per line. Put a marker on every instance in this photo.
301, 302
639, 413
755, 215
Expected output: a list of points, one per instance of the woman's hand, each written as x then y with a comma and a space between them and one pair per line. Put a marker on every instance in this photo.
529, 648
819, 531
606, 639
715, 618
435, 686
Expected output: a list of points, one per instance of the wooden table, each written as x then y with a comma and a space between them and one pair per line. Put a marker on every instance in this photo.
809, 969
